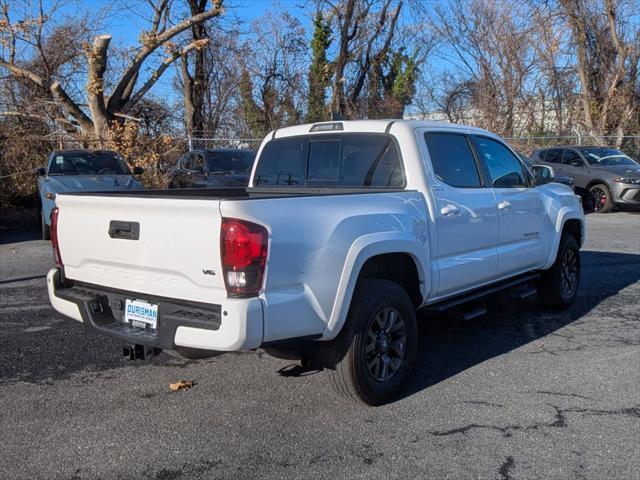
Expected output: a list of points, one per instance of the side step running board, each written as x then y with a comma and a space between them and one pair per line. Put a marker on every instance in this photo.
524, 291
448, 304
469, 311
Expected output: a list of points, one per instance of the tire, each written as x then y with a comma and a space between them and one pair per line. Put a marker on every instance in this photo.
45, 229
558, 286
374, 366
601, 198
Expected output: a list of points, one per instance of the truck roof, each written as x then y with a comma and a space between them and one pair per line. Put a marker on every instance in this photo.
372, 126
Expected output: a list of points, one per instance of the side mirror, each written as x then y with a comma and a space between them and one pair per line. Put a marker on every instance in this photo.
543, 174
138, 170
41, 172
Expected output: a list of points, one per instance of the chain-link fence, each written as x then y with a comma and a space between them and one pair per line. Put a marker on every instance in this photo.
21, 156
211, 143
629, 145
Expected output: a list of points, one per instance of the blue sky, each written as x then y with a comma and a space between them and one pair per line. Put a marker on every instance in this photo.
124, 19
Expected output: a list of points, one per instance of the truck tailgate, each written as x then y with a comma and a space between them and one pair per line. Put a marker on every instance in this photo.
176, 255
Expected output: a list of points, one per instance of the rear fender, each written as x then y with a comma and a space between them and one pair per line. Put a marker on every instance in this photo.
364, 248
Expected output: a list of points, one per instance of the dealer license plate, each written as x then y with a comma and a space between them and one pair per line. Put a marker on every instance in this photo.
141, 314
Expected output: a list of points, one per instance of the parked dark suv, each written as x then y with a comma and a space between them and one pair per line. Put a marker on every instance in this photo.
220, 167
604, 174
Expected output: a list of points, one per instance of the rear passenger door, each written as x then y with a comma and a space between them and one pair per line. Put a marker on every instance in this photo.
521, 211
466, 215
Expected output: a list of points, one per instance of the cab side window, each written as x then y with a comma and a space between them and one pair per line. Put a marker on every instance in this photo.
553, 156
504, 169
452, 159
569, 157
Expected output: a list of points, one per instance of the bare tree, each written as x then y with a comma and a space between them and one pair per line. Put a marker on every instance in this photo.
607, 50
271, 84
219, 82
365, 31
195, 86
102, 109
488, 43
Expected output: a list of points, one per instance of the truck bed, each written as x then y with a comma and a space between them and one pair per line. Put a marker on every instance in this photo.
176, 240
237, 193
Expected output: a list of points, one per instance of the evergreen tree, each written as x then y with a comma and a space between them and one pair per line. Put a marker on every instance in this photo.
392, 85
253, 114
319, 70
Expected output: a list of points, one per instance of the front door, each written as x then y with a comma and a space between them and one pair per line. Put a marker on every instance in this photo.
521, 211
466, 215
575, 167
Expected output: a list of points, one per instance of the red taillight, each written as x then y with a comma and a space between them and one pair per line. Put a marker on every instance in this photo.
54, 237
243, 247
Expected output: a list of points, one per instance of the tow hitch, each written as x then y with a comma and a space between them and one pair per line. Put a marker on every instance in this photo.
140, 352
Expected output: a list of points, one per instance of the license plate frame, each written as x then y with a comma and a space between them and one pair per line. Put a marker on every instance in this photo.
141, 314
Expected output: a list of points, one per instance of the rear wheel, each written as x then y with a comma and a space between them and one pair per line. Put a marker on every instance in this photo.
381, 341
45, 229
558, 286
600, 198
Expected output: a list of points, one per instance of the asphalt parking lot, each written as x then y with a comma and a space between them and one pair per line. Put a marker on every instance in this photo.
519, 393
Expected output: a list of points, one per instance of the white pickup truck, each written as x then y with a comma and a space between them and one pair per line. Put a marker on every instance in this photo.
345, 231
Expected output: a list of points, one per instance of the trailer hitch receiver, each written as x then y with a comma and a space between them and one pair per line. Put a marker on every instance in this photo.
140, 352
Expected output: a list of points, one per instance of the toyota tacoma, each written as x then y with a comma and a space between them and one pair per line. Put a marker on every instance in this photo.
345, 231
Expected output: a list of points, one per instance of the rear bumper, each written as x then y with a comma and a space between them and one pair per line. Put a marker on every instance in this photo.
234, 325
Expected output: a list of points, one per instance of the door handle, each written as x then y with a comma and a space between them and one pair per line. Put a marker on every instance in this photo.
450, 210
124, 230
504, 205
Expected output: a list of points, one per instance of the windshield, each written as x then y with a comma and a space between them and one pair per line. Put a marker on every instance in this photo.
88, 163
606, 156
230, 162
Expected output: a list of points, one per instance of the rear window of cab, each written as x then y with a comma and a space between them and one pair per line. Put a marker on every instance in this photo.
331, 160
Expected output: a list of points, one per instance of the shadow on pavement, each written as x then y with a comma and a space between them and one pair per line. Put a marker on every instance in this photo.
19, 226
447, 347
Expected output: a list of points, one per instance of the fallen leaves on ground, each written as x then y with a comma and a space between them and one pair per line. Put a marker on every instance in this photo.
181, 385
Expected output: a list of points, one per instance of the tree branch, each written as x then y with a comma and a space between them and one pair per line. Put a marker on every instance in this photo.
126, 95
150, 45
159, 11
379, 56
160, 70
97, 61
64, 121
70, 106
620, 60
56, 91
23, 73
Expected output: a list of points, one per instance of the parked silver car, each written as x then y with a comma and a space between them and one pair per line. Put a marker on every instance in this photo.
81, 171
604, 174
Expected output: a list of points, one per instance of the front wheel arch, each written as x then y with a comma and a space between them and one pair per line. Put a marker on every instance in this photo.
608, 203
